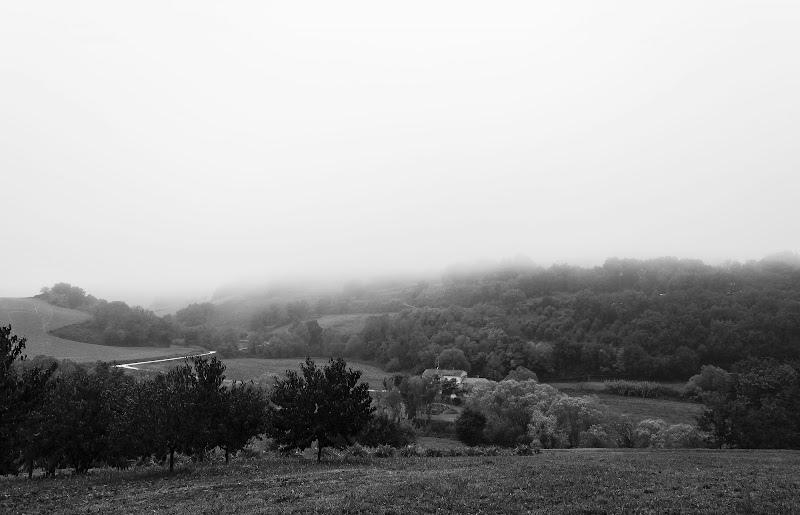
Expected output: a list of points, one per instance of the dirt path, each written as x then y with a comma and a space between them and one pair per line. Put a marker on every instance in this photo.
133, 366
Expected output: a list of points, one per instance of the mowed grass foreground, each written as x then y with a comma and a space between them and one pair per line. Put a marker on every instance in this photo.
554, 482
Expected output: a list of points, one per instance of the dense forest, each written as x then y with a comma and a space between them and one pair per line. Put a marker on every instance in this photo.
660, 318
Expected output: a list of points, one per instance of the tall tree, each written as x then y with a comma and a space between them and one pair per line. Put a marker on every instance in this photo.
21, 394
171, 414
245, 417
323, 404
469, 427
758, 406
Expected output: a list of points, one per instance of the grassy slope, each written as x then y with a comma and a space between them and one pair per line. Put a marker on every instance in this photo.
671, 412
350, 324
345, 324
554, 482
33, 318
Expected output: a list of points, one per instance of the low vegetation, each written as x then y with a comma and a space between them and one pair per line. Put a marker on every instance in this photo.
644, 389
553, 482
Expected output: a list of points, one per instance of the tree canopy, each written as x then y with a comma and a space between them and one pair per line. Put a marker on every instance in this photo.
757, 405
326, 405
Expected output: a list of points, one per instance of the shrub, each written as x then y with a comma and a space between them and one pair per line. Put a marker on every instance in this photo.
469, 427
710, 379
491, 451
384, 451
682, 436
433, 453
521, 374
440, 427
380, 430
647, 431
523, 450
412, 451
596, 436
645, 389
473, 451
357, 451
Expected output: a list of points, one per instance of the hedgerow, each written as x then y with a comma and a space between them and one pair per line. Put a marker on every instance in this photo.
644, 389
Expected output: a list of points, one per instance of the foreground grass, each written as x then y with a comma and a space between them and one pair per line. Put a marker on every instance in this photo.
554, 482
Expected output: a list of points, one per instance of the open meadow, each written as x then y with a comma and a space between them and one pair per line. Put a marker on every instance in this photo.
636, 408
554, 482
33, 318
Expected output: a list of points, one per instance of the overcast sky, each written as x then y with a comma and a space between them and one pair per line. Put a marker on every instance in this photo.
154, 146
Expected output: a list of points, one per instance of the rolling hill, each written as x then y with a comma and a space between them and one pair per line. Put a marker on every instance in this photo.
33, 318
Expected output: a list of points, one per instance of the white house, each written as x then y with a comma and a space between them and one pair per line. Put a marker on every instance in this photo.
446, 375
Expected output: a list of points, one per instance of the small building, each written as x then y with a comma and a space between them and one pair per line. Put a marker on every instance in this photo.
446, 375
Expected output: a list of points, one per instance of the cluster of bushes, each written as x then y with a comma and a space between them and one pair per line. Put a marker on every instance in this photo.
644, 389
420, 451
660, 435
67, 296
514, 413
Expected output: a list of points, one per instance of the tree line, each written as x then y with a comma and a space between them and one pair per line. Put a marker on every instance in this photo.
97, 414
85, 416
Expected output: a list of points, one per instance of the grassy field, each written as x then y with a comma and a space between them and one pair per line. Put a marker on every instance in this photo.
637, 408
245, 369
352, 323
344, 324
32, 318
599, 386
554, 482
671, 412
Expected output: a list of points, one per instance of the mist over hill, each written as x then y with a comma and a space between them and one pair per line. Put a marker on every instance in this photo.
658, 318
